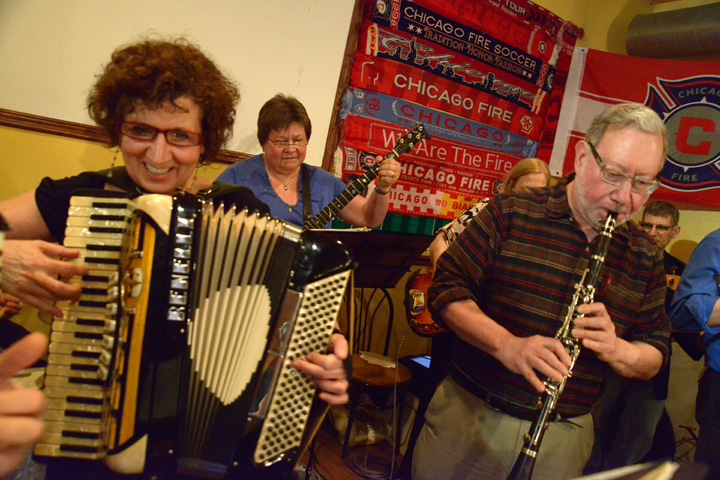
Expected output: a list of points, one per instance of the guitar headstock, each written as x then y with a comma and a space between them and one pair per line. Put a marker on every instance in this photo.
406, 143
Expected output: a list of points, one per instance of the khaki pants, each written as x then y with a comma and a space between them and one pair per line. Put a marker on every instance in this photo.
464, 439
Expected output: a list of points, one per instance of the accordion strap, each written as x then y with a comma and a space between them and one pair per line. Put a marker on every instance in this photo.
306, 198
118, 179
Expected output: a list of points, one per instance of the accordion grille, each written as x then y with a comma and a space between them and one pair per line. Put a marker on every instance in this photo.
290, 406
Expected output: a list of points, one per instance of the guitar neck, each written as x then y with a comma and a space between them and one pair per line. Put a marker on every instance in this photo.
404, 144
353, 189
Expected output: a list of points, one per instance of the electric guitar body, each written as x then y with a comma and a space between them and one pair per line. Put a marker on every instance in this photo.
419, 318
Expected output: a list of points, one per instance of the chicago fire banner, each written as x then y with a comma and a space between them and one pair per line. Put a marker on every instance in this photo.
485, 78
686, 95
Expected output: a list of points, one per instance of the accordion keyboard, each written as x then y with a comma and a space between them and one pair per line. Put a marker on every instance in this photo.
81, 343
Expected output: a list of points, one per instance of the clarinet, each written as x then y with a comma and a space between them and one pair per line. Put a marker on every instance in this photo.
584, 293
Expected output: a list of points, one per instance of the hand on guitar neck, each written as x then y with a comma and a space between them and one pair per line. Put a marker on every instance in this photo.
387, 173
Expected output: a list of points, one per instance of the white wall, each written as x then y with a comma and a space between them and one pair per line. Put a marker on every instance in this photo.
50, 51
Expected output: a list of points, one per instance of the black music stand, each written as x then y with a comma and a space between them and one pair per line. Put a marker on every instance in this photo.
382, 260
383, 257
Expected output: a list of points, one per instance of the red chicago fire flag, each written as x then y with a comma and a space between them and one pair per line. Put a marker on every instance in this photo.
686, 95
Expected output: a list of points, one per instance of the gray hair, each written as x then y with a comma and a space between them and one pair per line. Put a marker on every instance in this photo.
627, 115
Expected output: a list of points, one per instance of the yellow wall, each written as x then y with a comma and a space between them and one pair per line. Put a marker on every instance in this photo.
51, 50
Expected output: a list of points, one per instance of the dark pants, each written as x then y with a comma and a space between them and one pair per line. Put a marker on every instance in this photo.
707, 414
625, 421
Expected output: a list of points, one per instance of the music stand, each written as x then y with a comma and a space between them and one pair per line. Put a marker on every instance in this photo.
382, 257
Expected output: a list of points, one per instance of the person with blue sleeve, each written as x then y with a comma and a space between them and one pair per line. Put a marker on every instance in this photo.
696, 306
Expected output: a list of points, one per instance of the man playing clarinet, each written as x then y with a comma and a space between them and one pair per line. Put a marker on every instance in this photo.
505, 287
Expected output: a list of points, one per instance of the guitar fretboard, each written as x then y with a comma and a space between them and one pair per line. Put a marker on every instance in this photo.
403, 145
353, 189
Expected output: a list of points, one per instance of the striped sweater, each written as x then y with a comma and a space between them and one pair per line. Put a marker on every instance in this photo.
519, 260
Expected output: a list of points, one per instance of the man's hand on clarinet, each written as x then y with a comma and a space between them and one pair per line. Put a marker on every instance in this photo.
596, 331
530, 356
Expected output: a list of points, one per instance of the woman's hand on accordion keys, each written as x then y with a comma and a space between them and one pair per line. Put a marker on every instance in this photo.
21, 409
328, 371
29, 271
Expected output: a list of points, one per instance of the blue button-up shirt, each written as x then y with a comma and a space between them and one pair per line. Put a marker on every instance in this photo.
697, 293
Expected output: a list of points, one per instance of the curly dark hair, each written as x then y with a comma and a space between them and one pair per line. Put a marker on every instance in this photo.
152, 72
278, 113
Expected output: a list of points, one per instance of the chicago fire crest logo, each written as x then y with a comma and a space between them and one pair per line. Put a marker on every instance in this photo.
690, 108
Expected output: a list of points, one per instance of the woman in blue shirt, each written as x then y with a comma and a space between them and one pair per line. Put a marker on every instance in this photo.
275, 178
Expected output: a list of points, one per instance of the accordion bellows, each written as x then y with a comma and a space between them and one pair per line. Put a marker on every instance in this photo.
181, 344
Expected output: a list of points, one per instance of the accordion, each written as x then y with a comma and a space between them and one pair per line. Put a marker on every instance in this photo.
176, 359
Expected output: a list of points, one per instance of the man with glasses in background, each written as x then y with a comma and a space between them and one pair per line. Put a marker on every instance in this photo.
630, 411
504, 287
660, 221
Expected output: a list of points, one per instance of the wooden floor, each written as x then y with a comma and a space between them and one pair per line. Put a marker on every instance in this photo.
329, 465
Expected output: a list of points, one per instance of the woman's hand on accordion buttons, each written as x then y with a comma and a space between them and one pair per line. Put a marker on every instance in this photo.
328, 371
21, 409
29, 271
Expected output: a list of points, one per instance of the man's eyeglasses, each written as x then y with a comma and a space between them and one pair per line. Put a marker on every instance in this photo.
179, 138
614, 176
647, 226
298, 144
